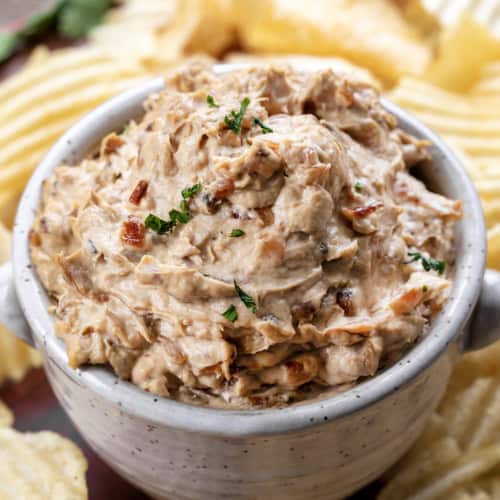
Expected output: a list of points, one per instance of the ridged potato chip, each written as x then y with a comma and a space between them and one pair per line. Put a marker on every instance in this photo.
470, 124
16, 358
458, 455
40, 466
44, 99
350, 29
463, 49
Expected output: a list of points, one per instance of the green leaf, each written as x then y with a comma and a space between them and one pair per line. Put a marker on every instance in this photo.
428, 263
8, 43
78, 17
234, 119
176, 216
211, 101
158, 225
245, 298
264, 127
231, 314
236, 233
41, 22
358, 187
189, 192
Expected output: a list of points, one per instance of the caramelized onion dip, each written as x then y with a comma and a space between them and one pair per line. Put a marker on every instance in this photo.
255, 240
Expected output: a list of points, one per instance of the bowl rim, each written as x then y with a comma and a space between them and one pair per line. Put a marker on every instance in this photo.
446, 327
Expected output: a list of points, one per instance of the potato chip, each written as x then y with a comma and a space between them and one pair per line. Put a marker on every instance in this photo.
16, 358
44, 99
463, 49
40, 466
459, 452
6, 417
165, 30
335, 28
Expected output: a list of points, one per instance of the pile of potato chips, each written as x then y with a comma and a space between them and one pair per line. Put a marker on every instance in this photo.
432, 57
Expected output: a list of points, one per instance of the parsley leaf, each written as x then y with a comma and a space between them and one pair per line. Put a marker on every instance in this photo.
245, 298
358, 187
78, 17
176, 216
231, 314
429, 264
8, 44
189, 192
71, 18
236, 233
181, 216
263, 126
234, 119
158, 225
211, 102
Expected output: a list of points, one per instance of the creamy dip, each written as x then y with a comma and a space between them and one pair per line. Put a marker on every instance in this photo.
256, 239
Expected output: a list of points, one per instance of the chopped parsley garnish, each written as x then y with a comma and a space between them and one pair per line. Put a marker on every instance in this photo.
234, 119
236, 233
429, 264
263, 126
211, 102
425, 288
358, 187
181, 216
231, 314
189, 192
245, 298
158, 225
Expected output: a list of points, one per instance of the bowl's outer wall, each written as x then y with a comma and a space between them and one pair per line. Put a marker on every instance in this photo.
328, 461
322, 450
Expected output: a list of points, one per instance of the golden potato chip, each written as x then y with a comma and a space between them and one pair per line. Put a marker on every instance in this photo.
165, 30
339, 65
40, 466
16, 358
6, 417
463, 49
354, 30
458, 455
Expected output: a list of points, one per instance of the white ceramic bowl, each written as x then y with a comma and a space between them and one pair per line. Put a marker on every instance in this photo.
320, 449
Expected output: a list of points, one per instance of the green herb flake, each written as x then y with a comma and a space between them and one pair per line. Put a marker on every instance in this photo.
358, 187
425, 288
158, 225
429, 264
189, 192
231, 314
176, 216
236, 233
263, 126
211, 102
234, 119
245, 298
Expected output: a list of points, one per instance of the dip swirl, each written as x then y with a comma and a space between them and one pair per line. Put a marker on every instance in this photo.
256, 240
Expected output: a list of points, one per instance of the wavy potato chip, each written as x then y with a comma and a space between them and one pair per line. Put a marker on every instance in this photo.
40, 466
463, 50
350, 29
459, 453
16, 358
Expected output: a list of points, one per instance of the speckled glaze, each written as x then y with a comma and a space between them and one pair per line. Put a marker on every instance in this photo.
323, 449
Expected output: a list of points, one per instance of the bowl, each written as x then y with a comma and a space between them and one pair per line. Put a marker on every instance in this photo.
326, 448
